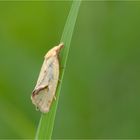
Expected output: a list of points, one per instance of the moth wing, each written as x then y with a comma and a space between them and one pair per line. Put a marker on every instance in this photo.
54, 76
42, 74
40, 99
45, 89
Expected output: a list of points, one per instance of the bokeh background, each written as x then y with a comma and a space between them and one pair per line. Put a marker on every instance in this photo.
100, 96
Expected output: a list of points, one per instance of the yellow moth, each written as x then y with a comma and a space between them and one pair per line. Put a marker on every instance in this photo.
44, 92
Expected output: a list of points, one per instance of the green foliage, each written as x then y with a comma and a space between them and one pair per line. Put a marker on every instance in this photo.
100, 90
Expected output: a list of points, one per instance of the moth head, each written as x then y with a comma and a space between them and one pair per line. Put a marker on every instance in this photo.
55, 51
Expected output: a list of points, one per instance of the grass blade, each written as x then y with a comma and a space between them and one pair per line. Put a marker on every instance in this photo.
46, 123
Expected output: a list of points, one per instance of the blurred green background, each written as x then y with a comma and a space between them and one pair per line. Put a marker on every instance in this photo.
101, 88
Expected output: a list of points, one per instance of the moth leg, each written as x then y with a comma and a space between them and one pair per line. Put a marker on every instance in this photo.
54, 97
60, 81
37, 108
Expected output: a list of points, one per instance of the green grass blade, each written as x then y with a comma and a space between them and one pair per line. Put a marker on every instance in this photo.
46, 123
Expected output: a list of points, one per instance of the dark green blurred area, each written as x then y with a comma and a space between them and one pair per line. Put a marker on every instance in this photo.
100, 95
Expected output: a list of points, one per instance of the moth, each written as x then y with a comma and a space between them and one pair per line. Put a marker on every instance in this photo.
44, 91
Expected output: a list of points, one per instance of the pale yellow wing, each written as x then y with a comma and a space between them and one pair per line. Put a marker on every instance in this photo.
46, 85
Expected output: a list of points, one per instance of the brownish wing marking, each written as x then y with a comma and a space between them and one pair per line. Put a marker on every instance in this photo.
36, 91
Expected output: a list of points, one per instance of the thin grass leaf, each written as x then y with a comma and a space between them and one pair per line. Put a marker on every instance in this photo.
46, 123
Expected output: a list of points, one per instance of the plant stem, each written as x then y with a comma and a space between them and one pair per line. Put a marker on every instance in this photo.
46, 124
